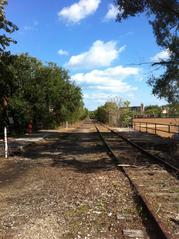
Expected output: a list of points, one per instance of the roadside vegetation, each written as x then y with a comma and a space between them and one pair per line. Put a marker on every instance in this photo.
39, 93
119, 113
115, 112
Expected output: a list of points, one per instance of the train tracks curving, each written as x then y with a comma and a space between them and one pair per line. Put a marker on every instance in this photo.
156, 188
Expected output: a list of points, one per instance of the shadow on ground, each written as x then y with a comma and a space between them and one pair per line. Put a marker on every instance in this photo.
82, 152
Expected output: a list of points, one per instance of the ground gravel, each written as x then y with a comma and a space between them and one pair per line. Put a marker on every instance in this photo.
65, 187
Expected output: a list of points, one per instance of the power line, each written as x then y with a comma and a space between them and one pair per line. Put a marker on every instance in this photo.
139, 64
151, 63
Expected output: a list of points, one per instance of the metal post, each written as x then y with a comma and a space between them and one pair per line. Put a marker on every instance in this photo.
5, 143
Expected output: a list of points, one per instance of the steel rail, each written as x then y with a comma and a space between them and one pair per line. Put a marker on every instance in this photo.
174, 170
161, 228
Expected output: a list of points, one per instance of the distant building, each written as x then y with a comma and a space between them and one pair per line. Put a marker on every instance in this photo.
165, 111
138, 109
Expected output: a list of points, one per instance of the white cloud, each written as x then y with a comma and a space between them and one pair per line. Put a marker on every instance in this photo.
78, 11
93, 100
62, 52
99, 97
112, 12
163, 55
100, 54
110, 79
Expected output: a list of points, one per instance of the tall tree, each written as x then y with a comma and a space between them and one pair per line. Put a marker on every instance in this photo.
5, 26
163, 15
6, 73
41, 93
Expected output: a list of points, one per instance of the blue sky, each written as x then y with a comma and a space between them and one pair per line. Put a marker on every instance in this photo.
83, 37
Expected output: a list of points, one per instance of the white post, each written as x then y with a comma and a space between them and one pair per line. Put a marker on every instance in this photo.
5, 142
66, 124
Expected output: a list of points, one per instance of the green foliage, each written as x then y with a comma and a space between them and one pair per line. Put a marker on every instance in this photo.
92, 114
153, 110
38, 92
103, 112
84, 113
172, 110
110, 107
126, 115
167, 85
6, 74
5, 26
19, 110
164, 17
113, 114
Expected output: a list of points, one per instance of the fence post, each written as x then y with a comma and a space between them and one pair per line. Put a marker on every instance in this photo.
66, 124
140, 127
155, 128
169, 128
146, 128
133, 125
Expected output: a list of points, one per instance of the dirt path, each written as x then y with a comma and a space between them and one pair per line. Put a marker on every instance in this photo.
66, 187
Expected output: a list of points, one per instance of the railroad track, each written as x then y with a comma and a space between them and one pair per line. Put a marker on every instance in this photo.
156, 159
156, 188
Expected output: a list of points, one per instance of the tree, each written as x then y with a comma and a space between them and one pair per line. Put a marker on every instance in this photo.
164, 17
6, 85
173, 110
126, 114
101, 114
38, 92
7, 26
115, 112
153, 110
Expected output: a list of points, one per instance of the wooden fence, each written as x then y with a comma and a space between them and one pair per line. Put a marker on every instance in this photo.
166, 130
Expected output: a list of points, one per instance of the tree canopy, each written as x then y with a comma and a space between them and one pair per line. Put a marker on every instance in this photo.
153, 110
163, 15
41, 93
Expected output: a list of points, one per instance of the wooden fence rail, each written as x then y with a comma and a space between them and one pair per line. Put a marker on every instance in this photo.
148, 127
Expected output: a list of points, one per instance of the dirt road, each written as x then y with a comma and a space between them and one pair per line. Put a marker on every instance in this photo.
66, 187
